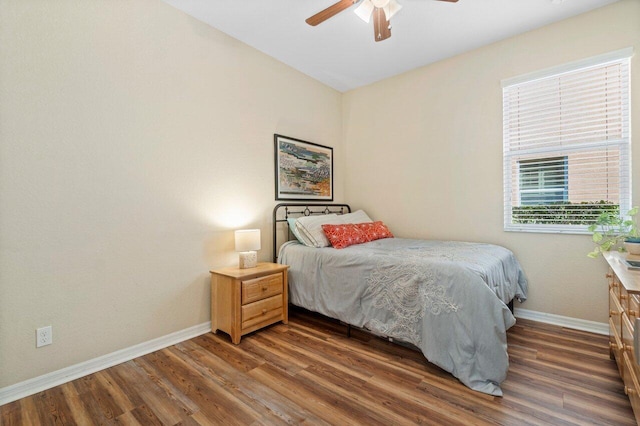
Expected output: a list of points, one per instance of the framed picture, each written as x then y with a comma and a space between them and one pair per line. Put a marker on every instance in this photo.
304, 170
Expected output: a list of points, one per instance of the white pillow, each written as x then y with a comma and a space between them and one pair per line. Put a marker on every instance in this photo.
356, 217
296, 233
310, 227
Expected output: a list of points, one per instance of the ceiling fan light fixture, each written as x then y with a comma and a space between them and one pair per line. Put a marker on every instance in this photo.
391, 9
364, 10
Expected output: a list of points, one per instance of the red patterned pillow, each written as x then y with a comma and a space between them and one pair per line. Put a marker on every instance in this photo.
375, 230
348, 234
344, 235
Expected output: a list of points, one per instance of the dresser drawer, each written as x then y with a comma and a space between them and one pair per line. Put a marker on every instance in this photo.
263, 311
634, 307
261, 288
615, 312
614, 283
624, 299
627, 344
631, 387
615, 344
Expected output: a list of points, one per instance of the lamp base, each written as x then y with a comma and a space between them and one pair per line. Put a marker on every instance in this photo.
247, 259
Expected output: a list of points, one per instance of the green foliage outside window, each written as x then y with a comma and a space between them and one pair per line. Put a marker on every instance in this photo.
563, 213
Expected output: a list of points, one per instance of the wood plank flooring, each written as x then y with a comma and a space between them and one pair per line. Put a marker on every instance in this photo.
309, 372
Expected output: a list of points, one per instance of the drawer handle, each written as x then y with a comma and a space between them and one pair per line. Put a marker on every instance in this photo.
614, 346
629, 391
614, 313
265, 288
609, 276
633, 313
264, 311
627, 348
624, 297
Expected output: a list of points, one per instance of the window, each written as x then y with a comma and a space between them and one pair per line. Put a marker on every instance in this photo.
566, 145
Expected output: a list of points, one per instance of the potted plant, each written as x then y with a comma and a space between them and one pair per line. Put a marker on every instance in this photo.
614, 231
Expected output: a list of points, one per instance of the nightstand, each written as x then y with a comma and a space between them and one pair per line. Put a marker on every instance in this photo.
245, 300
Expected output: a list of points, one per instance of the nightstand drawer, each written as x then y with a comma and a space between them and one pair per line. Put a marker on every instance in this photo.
261, 288
261, 311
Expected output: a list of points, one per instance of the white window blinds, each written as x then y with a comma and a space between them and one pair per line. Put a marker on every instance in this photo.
566, 145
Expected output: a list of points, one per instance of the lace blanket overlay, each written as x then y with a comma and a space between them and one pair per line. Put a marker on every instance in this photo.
406, 290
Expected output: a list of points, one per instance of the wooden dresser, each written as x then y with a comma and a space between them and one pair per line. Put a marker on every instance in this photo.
245, 300
624, 307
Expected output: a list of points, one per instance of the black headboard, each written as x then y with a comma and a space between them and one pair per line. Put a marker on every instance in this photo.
284, 211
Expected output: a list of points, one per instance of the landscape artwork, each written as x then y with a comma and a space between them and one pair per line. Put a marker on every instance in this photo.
304, 170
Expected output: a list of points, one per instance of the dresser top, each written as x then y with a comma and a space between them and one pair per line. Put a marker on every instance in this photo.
629, 278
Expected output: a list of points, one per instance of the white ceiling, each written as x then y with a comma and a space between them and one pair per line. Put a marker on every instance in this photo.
342, 53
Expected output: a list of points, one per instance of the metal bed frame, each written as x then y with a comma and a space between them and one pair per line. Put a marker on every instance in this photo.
284, 211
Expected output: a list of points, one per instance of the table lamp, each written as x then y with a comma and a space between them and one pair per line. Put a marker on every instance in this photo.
247, 242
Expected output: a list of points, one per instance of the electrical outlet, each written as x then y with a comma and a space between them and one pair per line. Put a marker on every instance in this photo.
44, 336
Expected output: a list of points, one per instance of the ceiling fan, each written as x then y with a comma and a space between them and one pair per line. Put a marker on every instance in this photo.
381, 10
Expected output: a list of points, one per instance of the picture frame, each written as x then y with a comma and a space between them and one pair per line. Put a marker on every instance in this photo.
303, 170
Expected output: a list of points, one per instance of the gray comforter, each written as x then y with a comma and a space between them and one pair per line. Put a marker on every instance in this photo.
447, 298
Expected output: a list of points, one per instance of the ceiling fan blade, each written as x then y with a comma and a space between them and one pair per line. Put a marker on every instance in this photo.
327, 13
381, 27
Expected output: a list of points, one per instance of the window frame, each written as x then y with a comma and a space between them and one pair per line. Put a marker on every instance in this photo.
509, 155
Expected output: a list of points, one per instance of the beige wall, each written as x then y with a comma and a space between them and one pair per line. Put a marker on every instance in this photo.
133, 140
437, 134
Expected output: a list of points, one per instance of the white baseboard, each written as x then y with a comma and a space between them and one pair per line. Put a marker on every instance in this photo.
568, 322
46, 381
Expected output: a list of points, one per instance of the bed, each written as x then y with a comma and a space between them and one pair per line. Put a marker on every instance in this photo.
449, 299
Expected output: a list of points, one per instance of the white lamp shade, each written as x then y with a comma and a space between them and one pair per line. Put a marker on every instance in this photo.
247, 240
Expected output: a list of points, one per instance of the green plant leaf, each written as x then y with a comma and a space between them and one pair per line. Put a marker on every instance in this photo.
608, 245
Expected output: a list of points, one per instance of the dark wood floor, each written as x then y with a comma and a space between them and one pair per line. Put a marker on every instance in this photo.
309, 372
